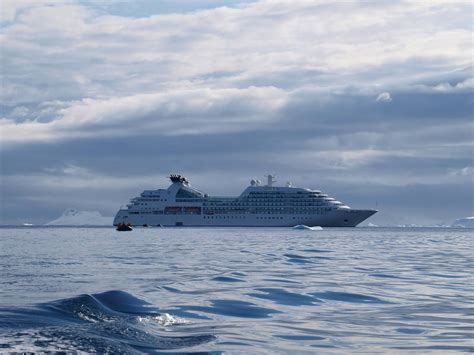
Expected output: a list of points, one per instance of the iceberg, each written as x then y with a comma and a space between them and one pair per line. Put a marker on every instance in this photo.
73, 217
466, 222
303, 227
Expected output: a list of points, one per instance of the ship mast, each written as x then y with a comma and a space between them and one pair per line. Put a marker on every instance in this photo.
270, 180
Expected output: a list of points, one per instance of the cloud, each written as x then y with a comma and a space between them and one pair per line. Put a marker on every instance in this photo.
384, 97
463, 86
466, 171
75, 177
19, 112
72, 51
11, 8
175, 112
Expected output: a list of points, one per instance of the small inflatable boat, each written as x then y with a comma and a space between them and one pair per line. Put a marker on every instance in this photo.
122, 227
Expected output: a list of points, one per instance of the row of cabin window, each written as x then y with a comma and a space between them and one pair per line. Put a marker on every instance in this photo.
146, 204
307, 211
284, 195
271, 211
272, 198
153, 199
168, 212
264, 204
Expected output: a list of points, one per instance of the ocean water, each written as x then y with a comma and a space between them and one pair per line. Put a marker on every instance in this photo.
236, 290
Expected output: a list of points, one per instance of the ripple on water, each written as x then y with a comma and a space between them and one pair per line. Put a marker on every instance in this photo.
284, 297
347, 297
234, 308
301, 259
286, 281
316, 251
226, 279
385, 276
410, 330
300, 337
298, 259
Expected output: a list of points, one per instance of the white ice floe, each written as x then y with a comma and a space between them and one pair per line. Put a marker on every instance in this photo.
303, 227
72, 217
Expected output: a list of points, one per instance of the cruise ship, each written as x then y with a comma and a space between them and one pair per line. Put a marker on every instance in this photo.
257, 206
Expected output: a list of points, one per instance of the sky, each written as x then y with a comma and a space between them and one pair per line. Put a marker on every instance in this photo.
368, 101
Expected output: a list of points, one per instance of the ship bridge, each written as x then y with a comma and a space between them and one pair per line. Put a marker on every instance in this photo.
182, 189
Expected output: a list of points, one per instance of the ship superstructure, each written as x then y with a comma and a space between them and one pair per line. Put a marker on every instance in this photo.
257, 206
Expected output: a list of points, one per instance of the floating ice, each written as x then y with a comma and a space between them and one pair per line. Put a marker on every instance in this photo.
304, 227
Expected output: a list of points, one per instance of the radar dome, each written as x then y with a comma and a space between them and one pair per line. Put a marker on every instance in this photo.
253, 182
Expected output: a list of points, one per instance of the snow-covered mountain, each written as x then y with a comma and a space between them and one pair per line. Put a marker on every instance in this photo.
466, 222
72, 217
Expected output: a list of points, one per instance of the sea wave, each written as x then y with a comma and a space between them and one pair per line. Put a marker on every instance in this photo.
113, 321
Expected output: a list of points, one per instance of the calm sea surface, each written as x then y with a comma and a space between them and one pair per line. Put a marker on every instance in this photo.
237, 290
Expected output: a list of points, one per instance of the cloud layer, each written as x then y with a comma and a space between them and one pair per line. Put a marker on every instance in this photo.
354, 96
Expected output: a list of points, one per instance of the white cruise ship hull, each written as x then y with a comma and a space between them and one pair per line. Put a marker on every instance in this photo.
338, 218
